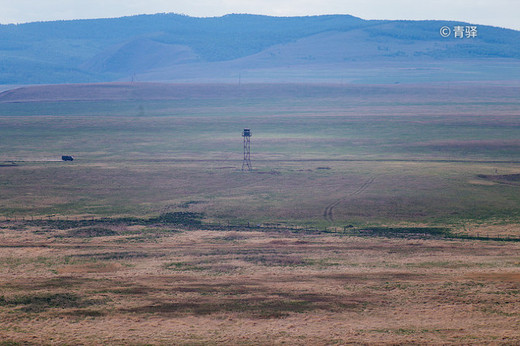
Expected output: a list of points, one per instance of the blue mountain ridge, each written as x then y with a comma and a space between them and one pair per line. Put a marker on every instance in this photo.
171, 47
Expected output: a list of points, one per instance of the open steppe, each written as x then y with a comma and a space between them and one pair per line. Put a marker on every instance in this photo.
373, 214
174, 284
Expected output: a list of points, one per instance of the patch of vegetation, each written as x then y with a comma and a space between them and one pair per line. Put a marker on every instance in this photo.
511, 179
132, 290
60, 224
177, 218
401, 331
257, 307
41, 302
422, 233
56, 224
9, 343
231, 237
277, 260
87, 313
443, 264
407, 231
182, 266
124, 255
188, 204
496, 311
180, 218
140, 238
18, 227
91, 232
148, 234
223, 268
322, 263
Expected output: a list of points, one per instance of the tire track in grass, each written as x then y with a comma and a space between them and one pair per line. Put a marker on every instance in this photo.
328, 212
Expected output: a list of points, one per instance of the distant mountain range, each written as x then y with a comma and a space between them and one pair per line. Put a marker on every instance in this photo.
252, 48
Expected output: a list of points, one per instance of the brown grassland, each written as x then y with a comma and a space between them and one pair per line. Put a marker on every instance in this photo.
373, 215
160, 284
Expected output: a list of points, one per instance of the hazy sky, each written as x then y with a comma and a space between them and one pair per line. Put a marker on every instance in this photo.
503, 13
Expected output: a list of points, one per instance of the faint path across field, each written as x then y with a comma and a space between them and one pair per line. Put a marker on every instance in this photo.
328, 212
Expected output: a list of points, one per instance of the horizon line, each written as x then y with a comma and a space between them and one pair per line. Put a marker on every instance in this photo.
248, 14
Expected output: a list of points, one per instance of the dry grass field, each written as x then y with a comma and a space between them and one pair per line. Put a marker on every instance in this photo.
169, 284
373, 215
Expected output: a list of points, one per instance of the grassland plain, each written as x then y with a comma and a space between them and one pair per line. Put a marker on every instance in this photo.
164, 284
417, 152
337, 159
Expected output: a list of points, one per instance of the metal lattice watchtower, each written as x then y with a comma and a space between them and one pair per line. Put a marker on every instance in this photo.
246, 164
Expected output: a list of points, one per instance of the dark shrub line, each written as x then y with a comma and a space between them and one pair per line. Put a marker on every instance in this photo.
423, 233
42, 302
175, 218
190, 219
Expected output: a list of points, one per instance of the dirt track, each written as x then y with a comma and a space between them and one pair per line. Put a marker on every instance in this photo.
328, 211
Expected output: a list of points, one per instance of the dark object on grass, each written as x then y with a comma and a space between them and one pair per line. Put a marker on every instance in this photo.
67, 158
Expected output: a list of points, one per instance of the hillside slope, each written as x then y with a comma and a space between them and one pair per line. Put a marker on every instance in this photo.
169, 47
